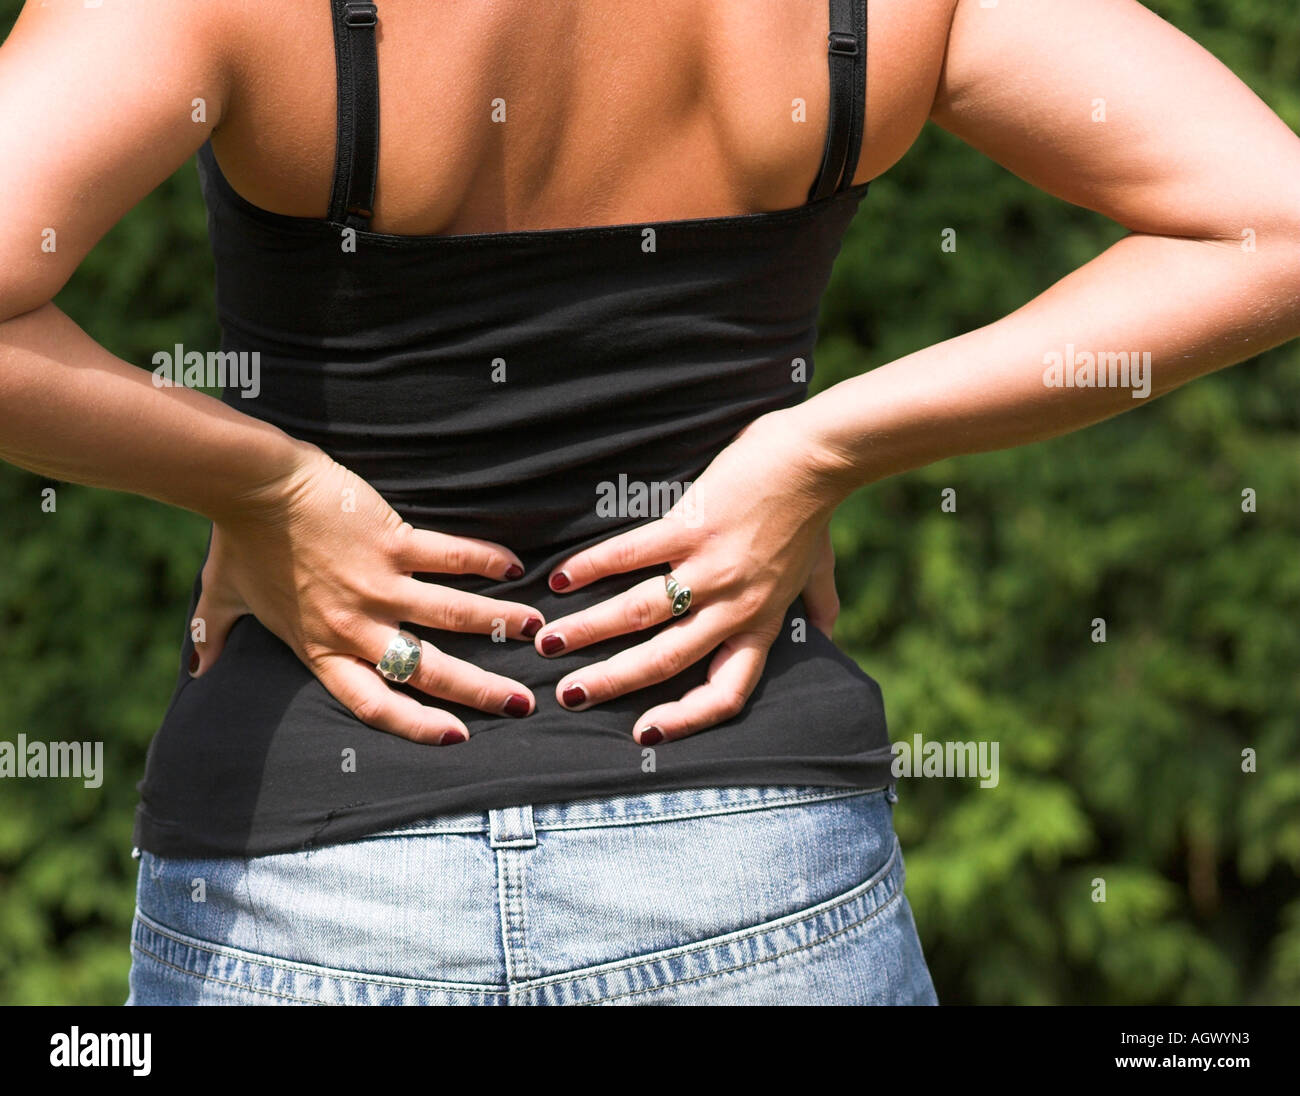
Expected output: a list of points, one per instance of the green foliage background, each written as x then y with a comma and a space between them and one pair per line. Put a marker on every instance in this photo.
1119, 761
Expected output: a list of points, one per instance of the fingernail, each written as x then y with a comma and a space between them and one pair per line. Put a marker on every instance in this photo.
559, 581
450, 738
531, 627
573, 696
514, 571
194, 662
651, 736
553, 644
516, 705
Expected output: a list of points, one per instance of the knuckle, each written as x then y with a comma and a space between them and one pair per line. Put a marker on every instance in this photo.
624, 555
455, 558
340, 623
731, 574
600, 686
730, 703
395, 542
670, 662
314, 654
368, 708
484, 698
431, 677
641, 614
457, 616
369, 592
749, 603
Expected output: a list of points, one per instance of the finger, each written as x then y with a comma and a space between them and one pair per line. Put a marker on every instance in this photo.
442, 675
663, 655
644, 605
368, 697
214, 616
658, 542
733, 675
423, 551
451, 678
456, 611
819, 595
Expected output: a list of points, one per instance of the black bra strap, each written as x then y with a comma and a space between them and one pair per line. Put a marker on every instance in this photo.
356, 159
847, 59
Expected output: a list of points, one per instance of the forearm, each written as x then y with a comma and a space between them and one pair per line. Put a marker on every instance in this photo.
71, 411
1194, 306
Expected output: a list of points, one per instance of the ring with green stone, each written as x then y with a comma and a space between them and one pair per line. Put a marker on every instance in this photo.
679, 595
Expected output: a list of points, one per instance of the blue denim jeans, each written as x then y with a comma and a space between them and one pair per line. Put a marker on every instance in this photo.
744, 895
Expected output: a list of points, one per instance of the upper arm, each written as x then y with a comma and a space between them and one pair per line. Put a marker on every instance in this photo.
1104, 104
97, 107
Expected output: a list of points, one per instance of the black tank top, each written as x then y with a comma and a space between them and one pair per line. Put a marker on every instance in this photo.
620, 361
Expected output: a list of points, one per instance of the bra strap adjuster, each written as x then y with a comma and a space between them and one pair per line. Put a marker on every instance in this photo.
361, 13
846, 45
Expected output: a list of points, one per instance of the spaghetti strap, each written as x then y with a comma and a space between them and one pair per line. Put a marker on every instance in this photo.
847, 61
356, 157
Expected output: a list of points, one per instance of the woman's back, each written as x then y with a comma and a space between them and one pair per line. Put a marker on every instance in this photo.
590, 277
523, 116
537, 386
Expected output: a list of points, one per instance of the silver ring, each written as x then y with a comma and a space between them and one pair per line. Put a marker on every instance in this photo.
402, 658
679, 595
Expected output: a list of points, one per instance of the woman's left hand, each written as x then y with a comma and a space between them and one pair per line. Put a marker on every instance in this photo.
747, 537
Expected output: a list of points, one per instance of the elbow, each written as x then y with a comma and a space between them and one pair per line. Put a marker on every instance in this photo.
28, 283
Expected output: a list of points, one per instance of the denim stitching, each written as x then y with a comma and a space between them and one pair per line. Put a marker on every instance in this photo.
221, 981
861, 891
706, 812
646, 815
508, 907
312, 969
757, 962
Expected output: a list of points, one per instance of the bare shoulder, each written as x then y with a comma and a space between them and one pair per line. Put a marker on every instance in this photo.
98, 104
906, 43
1107, 105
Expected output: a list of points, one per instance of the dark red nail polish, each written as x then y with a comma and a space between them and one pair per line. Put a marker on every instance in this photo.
531, 627
450, 738
651, 736
552, 645
573, 696
559, 581
194, 661
516, 705
514, 571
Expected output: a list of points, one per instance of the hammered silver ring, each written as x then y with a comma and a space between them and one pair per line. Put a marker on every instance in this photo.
402, 658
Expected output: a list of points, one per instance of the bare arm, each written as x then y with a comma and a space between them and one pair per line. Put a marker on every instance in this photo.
1109, 107
1180, 152
96, 109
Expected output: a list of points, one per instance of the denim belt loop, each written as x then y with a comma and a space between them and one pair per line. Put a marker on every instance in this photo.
512, 827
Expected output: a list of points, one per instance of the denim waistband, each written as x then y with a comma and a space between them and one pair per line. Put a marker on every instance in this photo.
517, 825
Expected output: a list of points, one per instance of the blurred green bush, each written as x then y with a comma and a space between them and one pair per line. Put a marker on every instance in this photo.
1120, 761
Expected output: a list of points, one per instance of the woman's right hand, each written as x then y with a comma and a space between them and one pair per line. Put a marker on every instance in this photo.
323, 562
